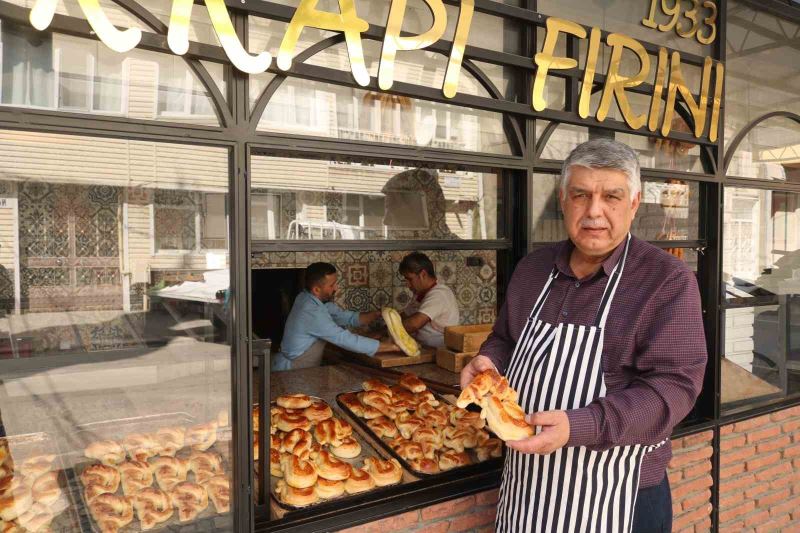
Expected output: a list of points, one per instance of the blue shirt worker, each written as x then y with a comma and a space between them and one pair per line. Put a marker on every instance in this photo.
315, 319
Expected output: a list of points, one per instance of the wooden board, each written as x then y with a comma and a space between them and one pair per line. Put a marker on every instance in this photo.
466, 338
453, 361
391, 359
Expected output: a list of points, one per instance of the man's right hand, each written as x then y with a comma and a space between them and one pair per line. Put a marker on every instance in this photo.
478, 364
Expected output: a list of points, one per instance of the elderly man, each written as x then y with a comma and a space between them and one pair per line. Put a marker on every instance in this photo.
602, 335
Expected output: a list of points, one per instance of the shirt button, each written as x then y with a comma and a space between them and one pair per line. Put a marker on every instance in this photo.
564, 313
577, 283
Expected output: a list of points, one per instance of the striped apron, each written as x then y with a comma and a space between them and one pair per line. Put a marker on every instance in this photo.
574, 489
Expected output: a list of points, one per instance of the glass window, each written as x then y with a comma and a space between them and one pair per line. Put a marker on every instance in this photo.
669, 210
344, 199
770, 151
761, 276
110, 352
265, 215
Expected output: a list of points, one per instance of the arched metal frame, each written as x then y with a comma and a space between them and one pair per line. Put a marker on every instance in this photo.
750, 126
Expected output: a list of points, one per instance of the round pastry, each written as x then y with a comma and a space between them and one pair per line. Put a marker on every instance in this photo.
37, 465
426, 397
408, 450
507, 420
205, 465
384, 472
490, 448
377, 386
297, 442
170, 440
382, 427
359, 481
317, 412
108, 452
451, 459
219, 491
325, 433
46, 489
190, 499
331, 468
351, 401
289, 421
379, 401
462, 417
426, 434
136, 475
293, 401
408, 424
294, 496
169, 471
202, 436
275, 463
459, 438
297, 473
153, 506
412, 383
111, 512
327, 489
101, 475
15, 502
425, 465
347, 449
140, 447
36, 518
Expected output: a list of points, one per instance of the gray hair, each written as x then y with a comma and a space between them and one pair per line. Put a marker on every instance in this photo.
604, 153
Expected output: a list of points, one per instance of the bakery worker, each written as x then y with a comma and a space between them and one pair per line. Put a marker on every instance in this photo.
602, 336
433, 306
315, 319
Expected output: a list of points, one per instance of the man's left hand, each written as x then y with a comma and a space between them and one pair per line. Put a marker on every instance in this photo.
554, 434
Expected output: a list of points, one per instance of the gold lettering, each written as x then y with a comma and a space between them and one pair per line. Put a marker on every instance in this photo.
450, 86
719, 76
676, 85
120, 41
545, 60
616, 84
347, 22
658, 89
588, 75
392, 42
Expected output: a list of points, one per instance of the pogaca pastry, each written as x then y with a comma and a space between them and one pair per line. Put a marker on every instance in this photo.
499, 405
412, 383
294, 496
108, 452
394, 323
383, 472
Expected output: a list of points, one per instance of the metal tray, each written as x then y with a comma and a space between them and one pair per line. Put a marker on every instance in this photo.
31, 444
117, 430
367, 450
475, 465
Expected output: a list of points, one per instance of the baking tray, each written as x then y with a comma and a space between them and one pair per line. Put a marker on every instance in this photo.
31, 444
367, 450
117, 430
475, 465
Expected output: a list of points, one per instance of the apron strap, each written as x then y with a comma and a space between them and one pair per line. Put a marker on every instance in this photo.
611, 288
537, 307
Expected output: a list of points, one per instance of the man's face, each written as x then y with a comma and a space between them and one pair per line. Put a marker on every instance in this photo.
327, 288
414, 281
597, 207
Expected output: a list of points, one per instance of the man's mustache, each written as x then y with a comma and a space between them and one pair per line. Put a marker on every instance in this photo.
593, 223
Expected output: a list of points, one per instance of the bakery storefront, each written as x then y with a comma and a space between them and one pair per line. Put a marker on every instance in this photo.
168, 170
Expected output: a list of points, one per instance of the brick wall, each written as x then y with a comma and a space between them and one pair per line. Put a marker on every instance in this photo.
690, 480
760, 473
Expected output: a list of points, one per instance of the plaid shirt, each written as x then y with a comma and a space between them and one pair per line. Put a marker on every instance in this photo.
654, 351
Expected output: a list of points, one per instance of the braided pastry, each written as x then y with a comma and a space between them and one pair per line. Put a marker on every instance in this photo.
298, 473
449, 459
383, 472
459, 438
136, 475
293, 401
331, 468
317, 412
394, 323
153, 506
37, 465
46, 489
412, 383
111, 512
370, 412
108, 452
140, 447
190, 499
379, 401
205, 465
426, 434
426, 396
14, 502
462, 417
202, 436
408, 424
382, 427
377, 385
425, 465
433, 416
406, 449
294, 496
429, 449
359, 481
37, 518
351, 401
170, 440
219, 491
99, 479
507, 419
297, 442
169, 471
347, 449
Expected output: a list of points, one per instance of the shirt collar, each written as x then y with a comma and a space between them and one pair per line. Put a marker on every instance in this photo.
565, 250
313, 298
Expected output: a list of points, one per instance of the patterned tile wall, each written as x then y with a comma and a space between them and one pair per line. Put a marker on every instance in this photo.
370, 280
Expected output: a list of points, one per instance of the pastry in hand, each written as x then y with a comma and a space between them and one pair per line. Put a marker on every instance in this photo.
507, 420
394, 323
